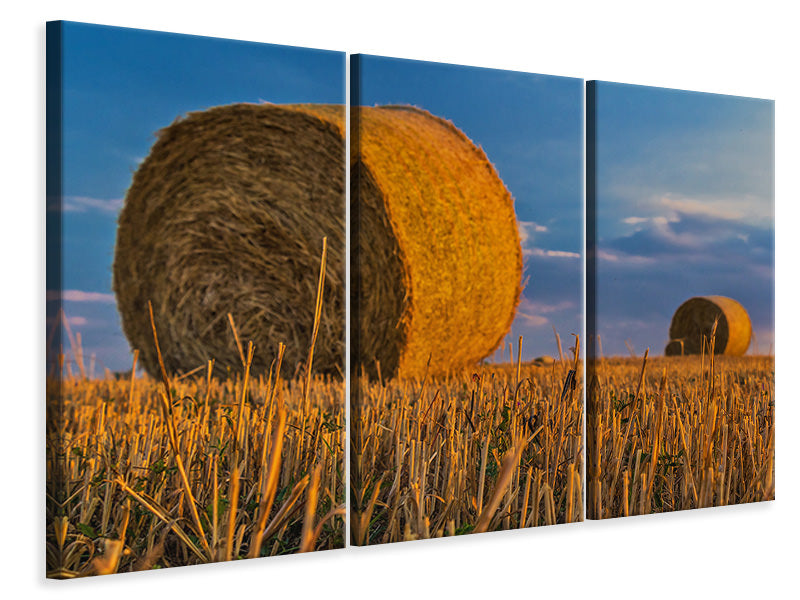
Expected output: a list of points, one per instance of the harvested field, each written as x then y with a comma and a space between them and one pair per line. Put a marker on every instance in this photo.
494, 448
674, 433
220, 470
145, 474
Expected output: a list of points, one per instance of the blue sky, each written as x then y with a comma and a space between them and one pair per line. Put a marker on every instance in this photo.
531, 128
120, 86
685, 207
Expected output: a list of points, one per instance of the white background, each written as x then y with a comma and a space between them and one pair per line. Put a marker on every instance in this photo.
745, 49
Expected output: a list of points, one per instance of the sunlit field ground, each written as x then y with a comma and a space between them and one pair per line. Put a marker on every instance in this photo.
181, 470
493, 448
667, 434
144, 477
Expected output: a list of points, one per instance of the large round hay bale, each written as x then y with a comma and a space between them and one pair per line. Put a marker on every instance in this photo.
228, 211
695, 319
227, 215
438, 260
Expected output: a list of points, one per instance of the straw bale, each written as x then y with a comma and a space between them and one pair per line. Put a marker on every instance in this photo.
227, 215
228, 211
695, 319
674, 348
437, 258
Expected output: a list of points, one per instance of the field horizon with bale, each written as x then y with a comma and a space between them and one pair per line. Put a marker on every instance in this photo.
195, 300
691, 429
466, 260
205, 461
192, 468
680, 306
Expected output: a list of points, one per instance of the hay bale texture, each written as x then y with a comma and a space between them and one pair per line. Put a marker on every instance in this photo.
438, 262
228, 211
227, 215
695, 319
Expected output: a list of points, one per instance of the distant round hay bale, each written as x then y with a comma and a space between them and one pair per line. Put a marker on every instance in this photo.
674, 348
542, 361
435, 235
695, 319
227, 215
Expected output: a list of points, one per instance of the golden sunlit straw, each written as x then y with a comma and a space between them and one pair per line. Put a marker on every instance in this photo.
431, 460
192, 469
697, 432
445, 286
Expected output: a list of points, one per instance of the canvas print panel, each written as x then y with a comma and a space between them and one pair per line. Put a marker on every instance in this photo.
680, 300
196, 231
466, 212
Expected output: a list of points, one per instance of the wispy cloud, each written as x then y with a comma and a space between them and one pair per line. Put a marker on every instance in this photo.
79, 296
642, 220
635, 220
532, 320
544, 308
527, 229
691, 236
527, 236
71, 321
622, 257
541, 252
728, 208
86, 204
533, 313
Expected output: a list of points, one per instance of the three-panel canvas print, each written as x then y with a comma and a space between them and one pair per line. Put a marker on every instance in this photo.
281, 322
